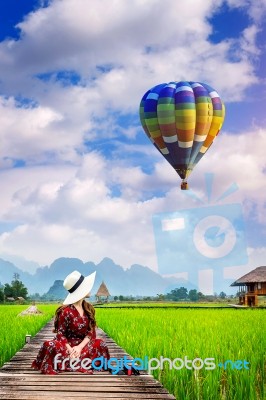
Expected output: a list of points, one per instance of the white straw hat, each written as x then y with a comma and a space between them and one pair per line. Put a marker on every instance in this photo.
78, 286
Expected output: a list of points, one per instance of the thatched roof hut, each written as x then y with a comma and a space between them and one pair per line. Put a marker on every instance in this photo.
255, 276
102, 292
31, 310
252, 287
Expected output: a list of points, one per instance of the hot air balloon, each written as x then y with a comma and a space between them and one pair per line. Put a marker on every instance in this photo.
182, 119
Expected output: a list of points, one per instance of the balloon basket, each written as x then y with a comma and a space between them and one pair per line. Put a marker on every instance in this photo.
184, 186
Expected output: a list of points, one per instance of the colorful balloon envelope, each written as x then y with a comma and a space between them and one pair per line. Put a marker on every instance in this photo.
182, 119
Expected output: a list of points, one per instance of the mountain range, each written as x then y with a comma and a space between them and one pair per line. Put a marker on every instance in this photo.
136, 280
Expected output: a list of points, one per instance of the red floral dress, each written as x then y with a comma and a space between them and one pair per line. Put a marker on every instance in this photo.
72, 329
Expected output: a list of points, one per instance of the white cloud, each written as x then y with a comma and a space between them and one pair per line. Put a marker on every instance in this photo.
149, 42
249, 40
74, 213
118, 52
257, 257
64, 200
24, 130
21, 184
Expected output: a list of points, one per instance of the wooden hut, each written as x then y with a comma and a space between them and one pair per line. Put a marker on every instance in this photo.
20, 299
102, 293
10, 299
252, 287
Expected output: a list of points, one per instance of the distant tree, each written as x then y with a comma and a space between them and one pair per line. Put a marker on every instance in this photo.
172, 295
177, 294
193, 295
210, 298
45, 297
48, 297
201, 296
35, 296
16, 276
2, 296
115, 298
121, 298
8, 290
222, 295
181, 293
18, 288
160, 296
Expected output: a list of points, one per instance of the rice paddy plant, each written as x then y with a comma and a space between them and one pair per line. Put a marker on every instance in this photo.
222, 334
13, 327
156, 304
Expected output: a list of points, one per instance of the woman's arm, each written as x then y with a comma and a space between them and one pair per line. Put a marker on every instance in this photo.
62, 327
90, 335
76, 350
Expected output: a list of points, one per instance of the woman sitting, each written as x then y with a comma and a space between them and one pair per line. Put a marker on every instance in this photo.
74, 326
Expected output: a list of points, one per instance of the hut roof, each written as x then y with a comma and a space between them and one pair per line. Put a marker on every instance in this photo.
103, 291
20, 298
255, 276
10, 298
31, 310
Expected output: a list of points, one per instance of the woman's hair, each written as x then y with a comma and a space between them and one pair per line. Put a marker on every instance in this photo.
88, 309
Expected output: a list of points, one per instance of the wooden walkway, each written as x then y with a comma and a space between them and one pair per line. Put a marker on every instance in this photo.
19, 381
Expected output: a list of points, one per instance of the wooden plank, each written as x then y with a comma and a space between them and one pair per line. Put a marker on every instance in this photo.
26, 367
84, 388
19, 381
67, 383
74, 377
82, 396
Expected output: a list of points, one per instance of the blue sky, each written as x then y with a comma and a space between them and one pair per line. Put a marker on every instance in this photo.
80, 178
229, 23
11, 13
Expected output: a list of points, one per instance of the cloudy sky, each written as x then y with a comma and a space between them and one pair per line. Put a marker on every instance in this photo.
79, 178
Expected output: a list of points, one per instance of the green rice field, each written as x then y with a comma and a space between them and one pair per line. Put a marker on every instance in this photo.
13, 328
159, 304
220, 334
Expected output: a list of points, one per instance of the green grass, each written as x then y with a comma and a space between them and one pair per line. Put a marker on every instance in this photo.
208, 333
13, 327
221, 334
156, 304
